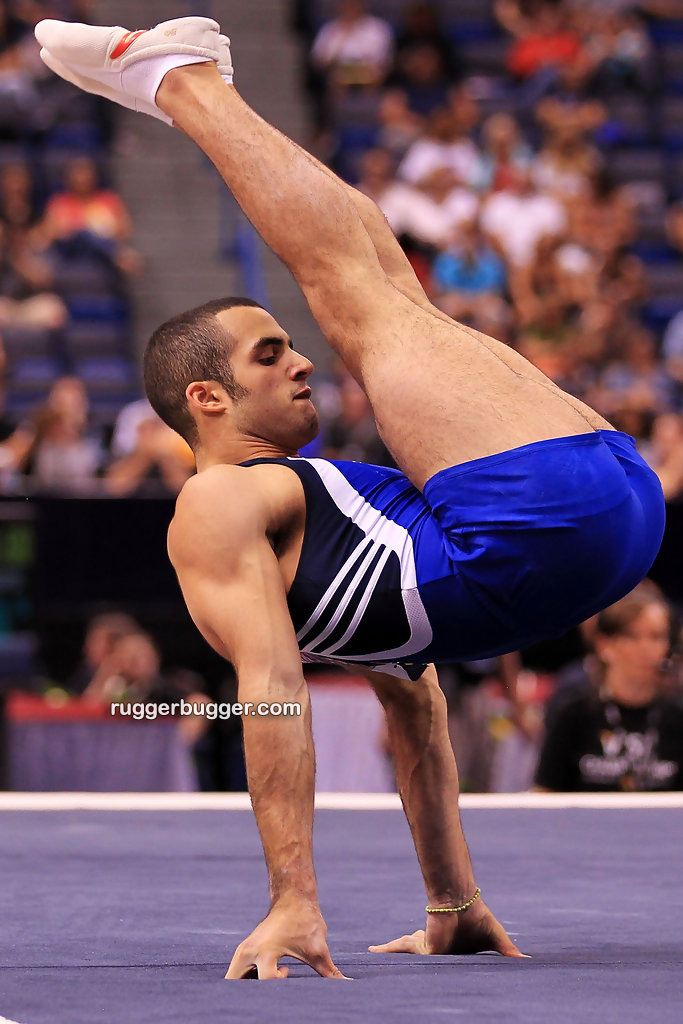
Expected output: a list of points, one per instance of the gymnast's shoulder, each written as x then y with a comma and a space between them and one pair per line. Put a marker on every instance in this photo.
226, 506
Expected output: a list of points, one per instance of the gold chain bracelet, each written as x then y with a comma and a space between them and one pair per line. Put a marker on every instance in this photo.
454, 910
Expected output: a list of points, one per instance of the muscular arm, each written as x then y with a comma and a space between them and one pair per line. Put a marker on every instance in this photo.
234, 591
427, 779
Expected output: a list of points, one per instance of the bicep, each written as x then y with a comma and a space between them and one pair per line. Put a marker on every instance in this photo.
233, 587
243, 611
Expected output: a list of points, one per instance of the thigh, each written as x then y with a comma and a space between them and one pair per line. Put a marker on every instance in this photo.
441, 394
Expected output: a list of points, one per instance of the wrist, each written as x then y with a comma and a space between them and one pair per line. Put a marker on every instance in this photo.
305, 893
453, 896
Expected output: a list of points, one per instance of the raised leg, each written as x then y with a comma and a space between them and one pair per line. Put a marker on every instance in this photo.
400, 273
440, 394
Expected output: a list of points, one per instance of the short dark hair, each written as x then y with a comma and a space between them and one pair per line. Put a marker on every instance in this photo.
618, 618
190, 346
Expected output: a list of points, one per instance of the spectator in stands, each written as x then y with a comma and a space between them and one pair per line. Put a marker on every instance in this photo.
423, 80
672, 350
352, 435
503, 153
602, 215
626, 733
469, 280
86, 219
620, 51
125, 436
674, 225
570, 101
160, 459
421, 26
26, 283
399, 126
354, 49
15, 441
444, 145
102, 634
20, 107
566, 162
539, 293
622, 281
18, 207
65, 458
543, 38
665, 453
520, 216
636, 379
131, 671
428, 215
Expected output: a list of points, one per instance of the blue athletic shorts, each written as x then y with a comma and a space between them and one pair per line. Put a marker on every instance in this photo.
544, 536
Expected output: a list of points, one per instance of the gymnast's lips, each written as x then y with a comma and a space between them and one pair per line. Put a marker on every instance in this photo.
306, 393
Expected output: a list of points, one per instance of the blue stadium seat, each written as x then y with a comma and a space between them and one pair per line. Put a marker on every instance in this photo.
104, 408
88, 338
466, 32
485, 56
666, 31
633, 165
84, 136
665, 281
629, 123
670, 61
106, 374
97, 307
675, 180
20, 404
671, 121
82, 276
31, 373
53, 162
28, 341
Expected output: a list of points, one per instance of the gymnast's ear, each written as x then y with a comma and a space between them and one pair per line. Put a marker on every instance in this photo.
207, 396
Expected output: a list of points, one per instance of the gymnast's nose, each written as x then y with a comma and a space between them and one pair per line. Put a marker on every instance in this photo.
302, 367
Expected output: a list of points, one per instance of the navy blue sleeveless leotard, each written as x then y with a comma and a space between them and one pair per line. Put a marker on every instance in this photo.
497, 553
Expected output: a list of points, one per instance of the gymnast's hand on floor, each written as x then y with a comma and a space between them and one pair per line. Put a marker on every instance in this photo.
294, 927
473, 931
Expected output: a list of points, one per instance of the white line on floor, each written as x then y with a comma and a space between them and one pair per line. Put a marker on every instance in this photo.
327, 801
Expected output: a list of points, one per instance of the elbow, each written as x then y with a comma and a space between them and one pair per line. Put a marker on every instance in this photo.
272, 686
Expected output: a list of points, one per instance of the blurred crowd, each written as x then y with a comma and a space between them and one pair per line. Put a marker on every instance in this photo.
525, 154
509, 195
504, 143
67, 365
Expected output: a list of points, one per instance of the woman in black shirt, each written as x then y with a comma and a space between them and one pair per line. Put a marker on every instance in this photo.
623, 731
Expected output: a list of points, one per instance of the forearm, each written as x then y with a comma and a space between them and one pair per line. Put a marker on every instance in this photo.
427, 779
281, 775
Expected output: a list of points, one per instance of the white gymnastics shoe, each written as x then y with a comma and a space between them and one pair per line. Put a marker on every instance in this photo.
225, 60
128, 67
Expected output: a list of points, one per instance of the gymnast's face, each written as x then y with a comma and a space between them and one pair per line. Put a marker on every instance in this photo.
273, 396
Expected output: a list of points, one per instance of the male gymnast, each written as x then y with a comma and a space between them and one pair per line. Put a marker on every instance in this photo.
518, 513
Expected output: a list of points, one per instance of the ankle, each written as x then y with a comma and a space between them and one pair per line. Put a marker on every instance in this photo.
187, 83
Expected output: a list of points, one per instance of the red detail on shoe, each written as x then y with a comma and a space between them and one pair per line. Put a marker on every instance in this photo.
124, 42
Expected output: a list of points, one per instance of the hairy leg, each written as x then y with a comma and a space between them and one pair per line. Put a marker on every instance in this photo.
440, 395
427, 779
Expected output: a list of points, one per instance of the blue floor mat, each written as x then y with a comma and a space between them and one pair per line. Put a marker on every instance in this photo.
132, 916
